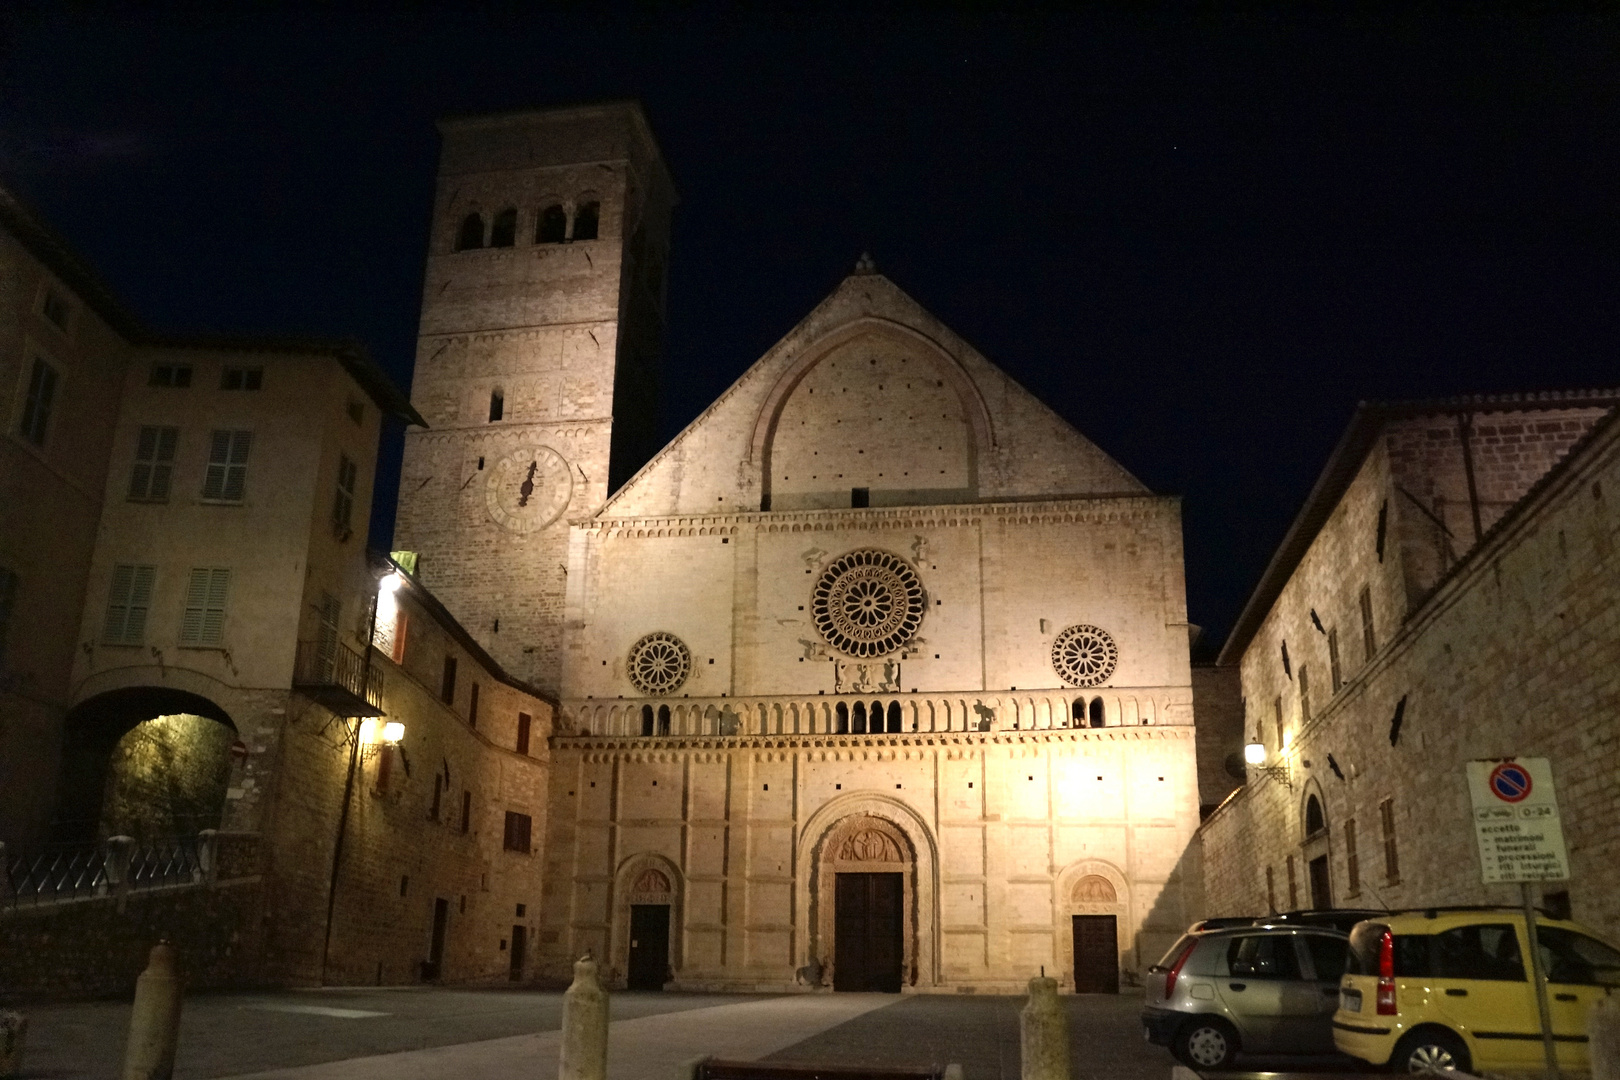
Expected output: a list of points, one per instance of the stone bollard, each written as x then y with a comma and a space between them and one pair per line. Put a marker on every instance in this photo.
154, 1023
207, 856
1603, 1030
13, 1034
583, 1053
1045, 1033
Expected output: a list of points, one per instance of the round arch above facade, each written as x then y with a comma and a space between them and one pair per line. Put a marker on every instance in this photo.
866, 833
873, 432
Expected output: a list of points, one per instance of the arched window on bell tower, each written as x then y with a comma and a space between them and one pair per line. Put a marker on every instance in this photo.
471, 234
1079, 714
585, 220
552, 228
646, 720
1097, 712
504, 232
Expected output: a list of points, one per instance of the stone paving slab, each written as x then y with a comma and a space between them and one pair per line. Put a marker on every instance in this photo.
646, 1048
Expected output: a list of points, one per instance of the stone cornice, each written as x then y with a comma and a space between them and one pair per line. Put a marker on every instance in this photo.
1082, 510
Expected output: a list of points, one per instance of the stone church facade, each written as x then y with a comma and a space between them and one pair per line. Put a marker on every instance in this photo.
876, 677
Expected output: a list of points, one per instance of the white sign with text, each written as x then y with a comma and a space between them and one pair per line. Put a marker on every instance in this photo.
1516, 821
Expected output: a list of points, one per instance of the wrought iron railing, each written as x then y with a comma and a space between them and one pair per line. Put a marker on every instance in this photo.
119, 865
338, 678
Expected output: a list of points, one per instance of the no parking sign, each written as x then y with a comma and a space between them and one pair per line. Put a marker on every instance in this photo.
1516, 821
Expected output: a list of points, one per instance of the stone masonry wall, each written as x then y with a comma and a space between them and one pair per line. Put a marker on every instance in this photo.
1515, 654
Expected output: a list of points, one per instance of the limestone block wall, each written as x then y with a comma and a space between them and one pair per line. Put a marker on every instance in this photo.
1002, 581
1020, 447
1217, 694
1448, 467
1513, 654
994, 831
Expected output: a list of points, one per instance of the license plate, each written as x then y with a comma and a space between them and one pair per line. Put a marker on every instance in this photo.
1350, 1000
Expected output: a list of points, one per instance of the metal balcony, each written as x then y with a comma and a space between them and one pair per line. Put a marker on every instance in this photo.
336, 677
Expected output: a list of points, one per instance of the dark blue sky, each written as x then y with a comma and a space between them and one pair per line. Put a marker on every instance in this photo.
1201, 239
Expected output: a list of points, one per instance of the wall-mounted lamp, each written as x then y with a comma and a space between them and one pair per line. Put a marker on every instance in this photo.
375, 734
389, 582
1254, 756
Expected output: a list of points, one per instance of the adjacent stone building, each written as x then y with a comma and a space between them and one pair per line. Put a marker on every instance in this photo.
1448, 592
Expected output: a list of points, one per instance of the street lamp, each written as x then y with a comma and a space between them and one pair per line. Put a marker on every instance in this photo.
1254, 756
376, 734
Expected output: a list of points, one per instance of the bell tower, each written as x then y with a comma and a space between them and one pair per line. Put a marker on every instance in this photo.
536, 361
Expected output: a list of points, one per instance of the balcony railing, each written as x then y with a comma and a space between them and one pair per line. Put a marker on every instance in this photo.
337, 678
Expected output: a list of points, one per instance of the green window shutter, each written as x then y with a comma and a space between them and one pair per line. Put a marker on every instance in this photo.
163, 463
140, 602
213, 628
219, 455
191, 625
140, 477
112, 631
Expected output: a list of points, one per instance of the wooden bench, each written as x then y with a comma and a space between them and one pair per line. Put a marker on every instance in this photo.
713, 1069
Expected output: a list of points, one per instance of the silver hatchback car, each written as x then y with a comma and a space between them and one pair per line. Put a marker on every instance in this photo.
1265, 989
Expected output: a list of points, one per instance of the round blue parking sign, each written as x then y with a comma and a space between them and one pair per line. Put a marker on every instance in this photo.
1510, 782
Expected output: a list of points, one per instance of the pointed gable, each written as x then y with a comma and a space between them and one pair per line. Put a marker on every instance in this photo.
869, 394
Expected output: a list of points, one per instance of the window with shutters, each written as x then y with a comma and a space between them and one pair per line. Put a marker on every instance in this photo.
447, 683
517, 832
174, 376
8, 603
472, 706
1304, 695
1392, 860
128, 601
154, 464
1369, 644
204, 622
241, 378
1352, 862
226, 479
343, 499
1334, 671
326, 637
401, 626
37, 405
525, 721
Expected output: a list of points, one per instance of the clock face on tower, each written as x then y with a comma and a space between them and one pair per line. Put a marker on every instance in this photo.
529, 488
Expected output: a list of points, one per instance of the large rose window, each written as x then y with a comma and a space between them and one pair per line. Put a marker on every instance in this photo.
868, 603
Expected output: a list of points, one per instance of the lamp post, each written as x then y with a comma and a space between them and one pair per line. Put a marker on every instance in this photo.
1254, 757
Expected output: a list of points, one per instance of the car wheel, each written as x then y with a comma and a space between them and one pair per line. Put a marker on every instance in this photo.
1429, 1052
1206, 1043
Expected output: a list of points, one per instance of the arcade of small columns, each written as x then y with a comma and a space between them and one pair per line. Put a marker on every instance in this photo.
842, 714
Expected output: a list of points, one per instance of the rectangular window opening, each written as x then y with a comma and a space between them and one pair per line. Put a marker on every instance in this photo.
128, 601
1369, 643
1352, 862
517, 832
1334, 671
447, 682
175, 376
37, 405
226, 478
343, 498
241, 378
524, 722
1392, 860
203, 624
466, 812
154, 464
472, 706
859, 497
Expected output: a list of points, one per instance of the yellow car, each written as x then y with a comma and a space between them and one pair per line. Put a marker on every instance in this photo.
1431, 991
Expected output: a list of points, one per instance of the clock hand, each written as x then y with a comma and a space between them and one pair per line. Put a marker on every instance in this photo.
528, 485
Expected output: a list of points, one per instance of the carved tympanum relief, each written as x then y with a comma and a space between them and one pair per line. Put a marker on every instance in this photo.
869, 845
1094, 889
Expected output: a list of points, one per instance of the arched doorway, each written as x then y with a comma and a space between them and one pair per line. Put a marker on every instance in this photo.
145, 761
867, 892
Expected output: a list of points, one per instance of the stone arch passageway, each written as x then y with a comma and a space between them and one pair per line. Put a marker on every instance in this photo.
150, 762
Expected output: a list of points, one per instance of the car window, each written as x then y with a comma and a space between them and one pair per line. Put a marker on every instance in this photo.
1575, 958
1175, 951
1365, 941
1484, 951
1268, 956
1328, 955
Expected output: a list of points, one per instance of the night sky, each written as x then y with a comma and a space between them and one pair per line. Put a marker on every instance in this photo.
1200, 240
